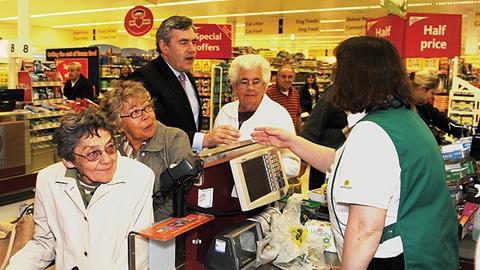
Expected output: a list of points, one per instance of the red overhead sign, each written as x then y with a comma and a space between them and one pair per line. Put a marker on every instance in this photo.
432, 35
214, 41
390, 27
138, 21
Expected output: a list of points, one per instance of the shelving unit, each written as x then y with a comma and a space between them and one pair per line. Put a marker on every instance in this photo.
211, 79
221, 92
464, 100
111, 67
464, 106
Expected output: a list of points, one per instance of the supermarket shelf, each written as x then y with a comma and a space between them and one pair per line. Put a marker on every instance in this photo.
52, 100
45, 126
41, 139
112, 65
462, 112
464, 98
44, 115
45, 84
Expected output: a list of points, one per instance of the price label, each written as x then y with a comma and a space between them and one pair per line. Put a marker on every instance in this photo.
24, 49
12, 49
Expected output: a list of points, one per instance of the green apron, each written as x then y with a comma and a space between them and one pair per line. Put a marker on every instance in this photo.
426, 221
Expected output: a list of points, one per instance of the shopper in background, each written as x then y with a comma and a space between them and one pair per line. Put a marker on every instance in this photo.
388, 202
249, 75
125, 72
86, 205
424, 84
286, 95
77, 86
130, 108
309, 93
173, 88
327, 125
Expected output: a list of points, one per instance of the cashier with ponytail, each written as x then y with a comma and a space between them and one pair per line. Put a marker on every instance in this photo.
388, 202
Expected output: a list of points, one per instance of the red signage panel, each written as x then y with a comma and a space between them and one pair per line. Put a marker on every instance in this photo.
390, 27
138, 21
214, 41
62, 66
432, 35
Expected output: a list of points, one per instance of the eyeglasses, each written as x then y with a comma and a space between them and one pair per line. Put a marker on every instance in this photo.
137, 113
244, 84
95, 155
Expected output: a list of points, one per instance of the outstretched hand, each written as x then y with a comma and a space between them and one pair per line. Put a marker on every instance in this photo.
224, 134
273, 136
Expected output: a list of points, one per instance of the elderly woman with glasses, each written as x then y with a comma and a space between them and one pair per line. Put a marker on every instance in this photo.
129, 107
86, 205
249, 75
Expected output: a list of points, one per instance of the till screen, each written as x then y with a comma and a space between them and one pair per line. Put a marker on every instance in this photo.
256, 178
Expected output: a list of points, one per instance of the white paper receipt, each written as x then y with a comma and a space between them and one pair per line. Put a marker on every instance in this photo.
220, 245
205, 197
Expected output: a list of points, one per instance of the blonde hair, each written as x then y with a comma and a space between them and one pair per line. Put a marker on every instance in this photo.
425, 78
123, 93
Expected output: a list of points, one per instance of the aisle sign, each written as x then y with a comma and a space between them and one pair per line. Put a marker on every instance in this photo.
105, 34
432, 35
355, 24
390, 27
214, 41
261, 26
24, 49
82, 35
476, 18
12, 48
304, 25
138, 21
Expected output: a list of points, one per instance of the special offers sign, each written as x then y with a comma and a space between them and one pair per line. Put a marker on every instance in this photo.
214, 41
432, 35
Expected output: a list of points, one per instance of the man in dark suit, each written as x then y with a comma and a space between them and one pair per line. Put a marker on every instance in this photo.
77, 85
170, 83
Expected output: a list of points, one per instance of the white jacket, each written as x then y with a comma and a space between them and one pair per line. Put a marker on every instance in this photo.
92, 238
268, 114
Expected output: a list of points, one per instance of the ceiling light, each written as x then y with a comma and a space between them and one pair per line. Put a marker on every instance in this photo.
8, 19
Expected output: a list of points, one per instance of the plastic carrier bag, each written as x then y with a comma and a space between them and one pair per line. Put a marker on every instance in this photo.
288, 244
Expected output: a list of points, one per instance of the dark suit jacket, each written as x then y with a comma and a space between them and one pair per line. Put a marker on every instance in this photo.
83, 89
172, 107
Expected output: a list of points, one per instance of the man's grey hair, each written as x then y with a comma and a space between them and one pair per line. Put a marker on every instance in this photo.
75, 126
174, 22
249, 62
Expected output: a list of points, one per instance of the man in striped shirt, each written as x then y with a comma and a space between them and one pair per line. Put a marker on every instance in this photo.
286, 95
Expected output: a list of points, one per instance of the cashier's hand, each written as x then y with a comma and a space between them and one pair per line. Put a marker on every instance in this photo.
273, 136
224, 134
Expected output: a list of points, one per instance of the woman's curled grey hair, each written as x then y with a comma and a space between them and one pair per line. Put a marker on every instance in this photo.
75, 126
